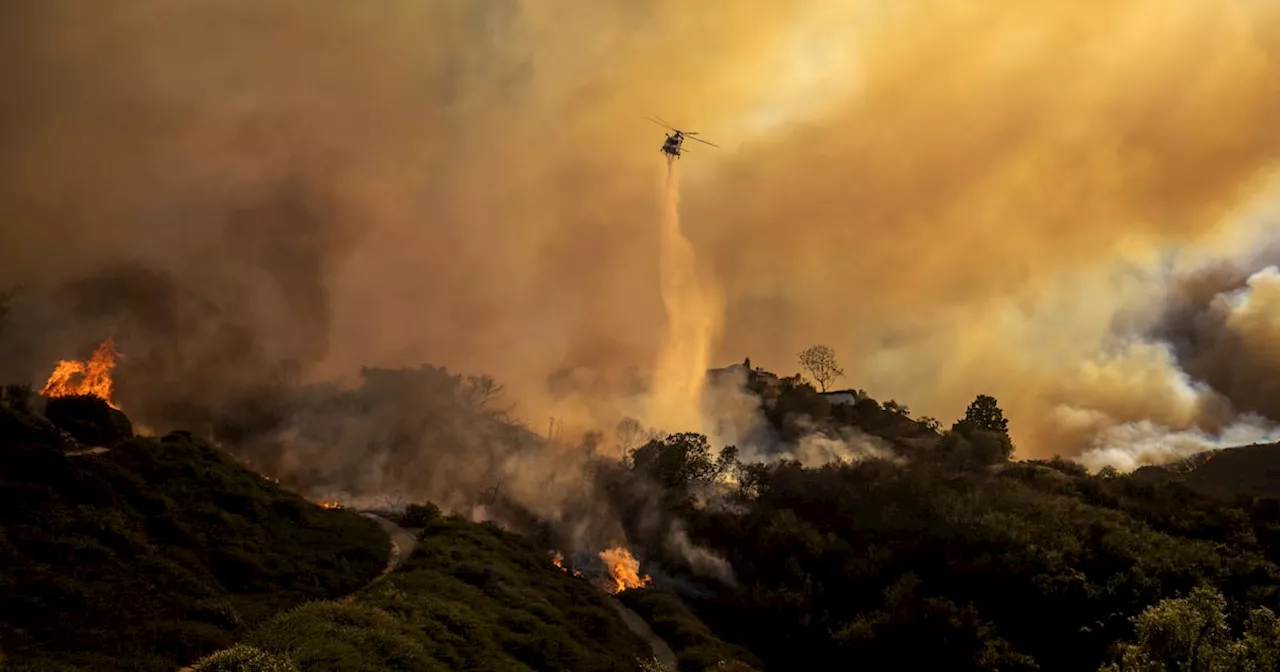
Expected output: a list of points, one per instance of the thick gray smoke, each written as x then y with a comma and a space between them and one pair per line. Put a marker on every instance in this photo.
210, 328
1219, 325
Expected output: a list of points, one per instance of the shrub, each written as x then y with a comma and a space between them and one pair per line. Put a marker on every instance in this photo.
243, 658
89, 419
419, 515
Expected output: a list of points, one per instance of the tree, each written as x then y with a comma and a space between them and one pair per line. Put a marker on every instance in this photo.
1191, 633
975, 447
983, 415
629, 432
480, 390
678, 460
820, 363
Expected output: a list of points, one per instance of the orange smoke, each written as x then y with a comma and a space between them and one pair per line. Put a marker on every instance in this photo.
71, 377
624, 571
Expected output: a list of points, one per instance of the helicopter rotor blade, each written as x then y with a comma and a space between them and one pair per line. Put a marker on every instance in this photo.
661, 123
705, 142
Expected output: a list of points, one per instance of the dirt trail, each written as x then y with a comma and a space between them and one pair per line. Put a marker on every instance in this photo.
97, 450
638, 625
402, 542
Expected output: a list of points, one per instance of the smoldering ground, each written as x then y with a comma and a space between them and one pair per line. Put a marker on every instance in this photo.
950, 198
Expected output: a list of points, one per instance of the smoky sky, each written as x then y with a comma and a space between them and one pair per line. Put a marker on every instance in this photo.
265, 190
1208, 320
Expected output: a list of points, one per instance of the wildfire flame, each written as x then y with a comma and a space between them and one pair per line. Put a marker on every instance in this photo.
624, 570
72, 377
558, 560
329, 505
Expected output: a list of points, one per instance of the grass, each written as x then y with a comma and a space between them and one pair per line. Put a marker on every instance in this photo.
472, 597
155, 553
695, 646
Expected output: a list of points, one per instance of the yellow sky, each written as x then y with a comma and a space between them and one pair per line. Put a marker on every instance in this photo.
960, 197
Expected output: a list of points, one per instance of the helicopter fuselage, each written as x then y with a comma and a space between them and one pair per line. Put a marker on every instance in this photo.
672, 144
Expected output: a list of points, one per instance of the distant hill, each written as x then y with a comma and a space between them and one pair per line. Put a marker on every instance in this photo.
132, 553
1244, 470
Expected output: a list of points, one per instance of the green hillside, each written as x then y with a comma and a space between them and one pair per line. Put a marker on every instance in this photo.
472, 597
995, 564
154, 552
695, 646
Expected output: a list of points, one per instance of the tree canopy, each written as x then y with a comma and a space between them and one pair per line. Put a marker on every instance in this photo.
820, 363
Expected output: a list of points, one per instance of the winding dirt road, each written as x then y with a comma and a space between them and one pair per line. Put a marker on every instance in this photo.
402, 542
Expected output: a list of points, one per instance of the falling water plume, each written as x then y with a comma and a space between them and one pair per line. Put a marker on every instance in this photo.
693, 317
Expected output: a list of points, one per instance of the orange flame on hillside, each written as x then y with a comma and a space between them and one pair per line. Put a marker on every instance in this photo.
558, 560
329, 505
72, 377
624, 570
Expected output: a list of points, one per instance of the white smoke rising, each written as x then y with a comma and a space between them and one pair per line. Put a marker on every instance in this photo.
819, 448
1132, 445
702, 561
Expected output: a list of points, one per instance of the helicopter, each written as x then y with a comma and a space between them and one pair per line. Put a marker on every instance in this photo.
674, 144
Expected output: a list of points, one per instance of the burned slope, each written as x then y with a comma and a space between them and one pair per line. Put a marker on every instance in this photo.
153, 552
472, 597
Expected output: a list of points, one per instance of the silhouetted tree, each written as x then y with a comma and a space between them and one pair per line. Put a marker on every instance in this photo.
480, 390
975, 447
983, 414
820, 363
629, 432
677, 460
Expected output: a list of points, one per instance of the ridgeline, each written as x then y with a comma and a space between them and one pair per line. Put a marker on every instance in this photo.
941, 552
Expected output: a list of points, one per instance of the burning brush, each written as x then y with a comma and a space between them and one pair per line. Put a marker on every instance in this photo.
622, 570
71, 377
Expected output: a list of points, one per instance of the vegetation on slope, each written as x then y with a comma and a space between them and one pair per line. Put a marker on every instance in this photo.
696, 648
1245, 470
999, 565
472, 597
154, 553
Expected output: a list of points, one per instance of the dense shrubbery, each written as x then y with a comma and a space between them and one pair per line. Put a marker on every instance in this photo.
997, 565
89, 420
471, 598
152, 554
695, 646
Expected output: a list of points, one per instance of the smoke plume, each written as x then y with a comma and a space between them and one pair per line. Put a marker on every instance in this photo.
957, 197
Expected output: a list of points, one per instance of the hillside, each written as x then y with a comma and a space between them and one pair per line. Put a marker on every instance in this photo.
169, 549
472, 597
152, 552
1243, 470
999, 564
